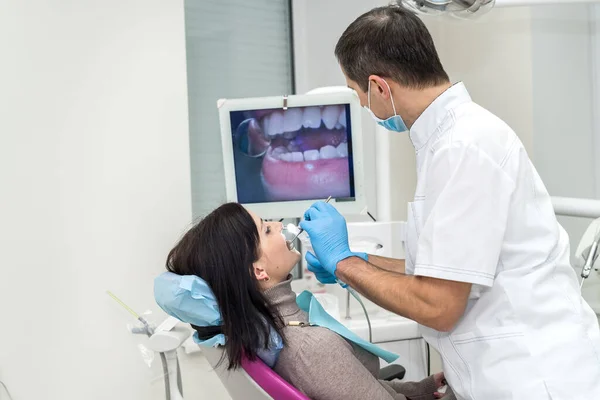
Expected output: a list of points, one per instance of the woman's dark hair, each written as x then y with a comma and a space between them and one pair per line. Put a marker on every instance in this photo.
221, 249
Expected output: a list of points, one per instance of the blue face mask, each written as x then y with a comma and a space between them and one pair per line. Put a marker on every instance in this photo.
393, 123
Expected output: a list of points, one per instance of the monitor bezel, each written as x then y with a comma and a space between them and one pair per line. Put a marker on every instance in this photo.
294, 209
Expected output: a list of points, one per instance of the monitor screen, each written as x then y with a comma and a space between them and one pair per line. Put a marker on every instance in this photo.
301, 153
281, 154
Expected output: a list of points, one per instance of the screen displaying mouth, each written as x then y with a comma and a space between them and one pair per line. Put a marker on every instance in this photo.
302, 153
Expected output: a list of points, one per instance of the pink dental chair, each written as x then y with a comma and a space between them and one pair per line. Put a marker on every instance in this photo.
256, 381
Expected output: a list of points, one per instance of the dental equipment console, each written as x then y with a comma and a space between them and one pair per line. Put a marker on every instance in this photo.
165, 340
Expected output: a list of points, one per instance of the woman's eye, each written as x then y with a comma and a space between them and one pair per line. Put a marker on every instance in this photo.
268, 230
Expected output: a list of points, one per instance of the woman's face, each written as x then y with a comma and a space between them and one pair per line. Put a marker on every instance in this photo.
276, 260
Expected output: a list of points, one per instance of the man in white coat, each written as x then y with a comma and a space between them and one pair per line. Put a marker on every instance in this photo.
487, 272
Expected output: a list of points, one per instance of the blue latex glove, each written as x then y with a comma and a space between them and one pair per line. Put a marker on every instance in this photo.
316, 268
320, 273
328, 234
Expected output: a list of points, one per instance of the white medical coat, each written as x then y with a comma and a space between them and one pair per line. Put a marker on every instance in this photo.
482, 215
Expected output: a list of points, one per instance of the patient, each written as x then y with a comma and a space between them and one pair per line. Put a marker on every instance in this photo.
247, 264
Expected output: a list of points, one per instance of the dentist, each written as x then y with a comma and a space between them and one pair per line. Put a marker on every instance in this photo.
487, 273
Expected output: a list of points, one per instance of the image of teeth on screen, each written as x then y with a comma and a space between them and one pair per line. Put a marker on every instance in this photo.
302, 153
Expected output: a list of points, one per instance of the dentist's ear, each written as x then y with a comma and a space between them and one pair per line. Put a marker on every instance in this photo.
379, 86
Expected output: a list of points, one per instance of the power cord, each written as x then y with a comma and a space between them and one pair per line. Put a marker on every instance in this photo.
6, 390
357, 297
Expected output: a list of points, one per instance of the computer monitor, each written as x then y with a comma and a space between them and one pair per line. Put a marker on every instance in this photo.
281, 154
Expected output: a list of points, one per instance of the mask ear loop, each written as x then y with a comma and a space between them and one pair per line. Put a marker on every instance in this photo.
391, 97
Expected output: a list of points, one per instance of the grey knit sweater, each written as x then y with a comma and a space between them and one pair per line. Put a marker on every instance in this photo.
324, 366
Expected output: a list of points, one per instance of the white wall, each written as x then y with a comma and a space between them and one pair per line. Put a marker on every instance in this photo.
563, 105
595, 50
492, 56
94, 171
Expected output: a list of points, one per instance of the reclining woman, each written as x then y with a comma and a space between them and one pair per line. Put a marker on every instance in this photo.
247, 264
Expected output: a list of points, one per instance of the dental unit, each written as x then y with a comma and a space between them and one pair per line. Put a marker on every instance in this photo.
165, 340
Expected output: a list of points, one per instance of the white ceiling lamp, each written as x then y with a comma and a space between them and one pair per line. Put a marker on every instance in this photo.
469, 9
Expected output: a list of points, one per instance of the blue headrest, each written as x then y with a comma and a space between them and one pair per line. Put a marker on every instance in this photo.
189, 299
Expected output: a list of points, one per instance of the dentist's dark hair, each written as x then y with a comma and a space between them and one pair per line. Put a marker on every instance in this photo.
392, 42
221, 249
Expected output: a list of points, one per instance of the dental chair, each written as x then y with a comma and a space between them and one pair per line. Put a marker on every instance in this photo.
256, 381
189, 299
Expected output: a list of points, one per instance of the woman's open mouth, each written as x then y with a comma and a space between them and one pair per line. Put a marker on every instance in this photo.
308, 153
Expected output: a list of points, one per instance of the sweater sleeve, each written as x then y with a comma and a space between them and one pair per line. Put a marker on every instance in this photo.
422, 390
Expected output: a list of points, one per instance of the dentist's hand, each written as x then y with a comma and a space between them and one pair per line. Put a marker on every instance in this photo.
320, 273
316, 268
329, 238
